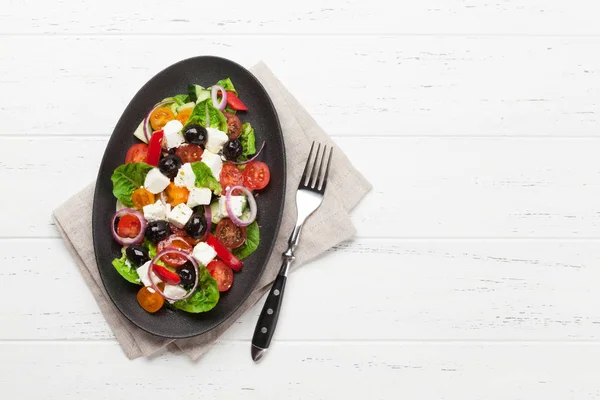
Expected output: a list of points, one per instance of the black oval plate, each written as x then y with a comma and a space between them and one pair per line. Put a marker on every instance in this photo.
205, 71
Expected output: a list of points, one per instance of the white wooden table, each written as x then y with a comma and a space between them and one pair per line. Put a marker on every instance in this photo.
475, 273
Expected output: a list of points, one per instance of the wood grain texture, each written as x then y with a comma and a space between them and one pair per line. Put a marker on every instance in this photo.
436, 187
312, 371
372, 289
475, 270
305, 17
369, 86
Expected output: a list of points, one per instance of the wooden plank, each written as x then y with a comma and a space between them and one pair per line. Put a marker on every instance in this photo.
306, 17
311, 370
372, 289
423, 187
416, 86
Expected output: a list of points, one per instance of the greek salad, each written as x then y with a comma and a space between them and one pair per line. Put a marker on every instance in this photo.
186, 208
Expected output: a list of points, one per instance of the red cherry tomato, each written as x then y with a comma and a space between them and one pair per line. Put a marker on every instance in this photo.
174, 242
189, 153
224, 254
235, 103
137, 153
256, 175
165, 275
129, 226
229, 234
230, 176
222, 273
155, 148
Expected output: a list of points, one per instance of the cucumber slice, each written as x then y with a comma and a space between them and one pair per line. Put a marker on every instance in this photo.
186, 106
139, 132
194, 91
216, 216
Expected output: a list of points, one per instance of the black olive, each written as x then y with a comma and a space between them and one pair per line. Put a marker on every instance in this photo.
187, 273
195, 134
169, 166
196, 226
157, 231
232, 149
137, 255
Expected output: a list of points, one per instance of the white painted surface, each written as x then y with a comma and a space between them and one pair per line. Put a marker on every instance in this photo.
475, 273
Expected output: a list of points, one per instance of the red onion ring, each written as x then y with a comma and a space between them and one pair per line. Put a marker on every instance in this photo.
147, 119
252, 159
127, 241
214, 91
251, 204
181, 253
208, 216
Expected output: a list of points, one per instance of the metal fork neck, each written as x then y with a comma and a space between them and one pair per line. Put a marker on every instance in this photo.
288, 255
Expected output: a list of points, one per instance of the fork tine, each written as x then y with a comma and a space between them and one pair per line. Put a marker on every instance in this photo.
305, 174
313, 178
319, 181
323, 183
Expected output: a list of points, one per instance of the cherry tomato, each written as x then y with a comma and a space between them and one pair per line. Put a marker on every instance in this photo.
174, 242
224, 254
256, 175
230, 176
229, 234
222, 273
142, 197
155, 148
235, 103
149, 299
166, 275
137, 153
160, 117
184, 115
183, 234
234, 125
176, 194
129, 226
189, 153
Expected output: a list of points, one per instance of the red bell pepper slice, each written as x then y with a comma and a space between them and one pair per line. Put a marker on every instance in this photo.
166, 275
235, 102
224, 254
155, 147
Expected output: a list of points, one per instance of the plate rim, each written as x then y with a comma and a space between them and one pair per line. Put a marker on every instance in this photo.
95, 215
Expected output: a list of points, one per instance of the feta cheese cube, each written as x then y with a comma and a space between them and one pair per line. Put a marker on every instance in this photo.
185, 177
237, 205
214, 162
179, 215
175, 291
155, 181
143, 274
156, 211
173, 136
215, 140
199, 197
203, 253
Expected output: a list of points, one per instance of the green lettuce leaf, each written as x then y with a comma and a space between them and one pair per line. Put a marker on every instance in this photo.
206, 109
251, 243
204, 298
127, 178
248, 141
205, 178
126, 270
230, 110
227, 85
151, 248
181, 99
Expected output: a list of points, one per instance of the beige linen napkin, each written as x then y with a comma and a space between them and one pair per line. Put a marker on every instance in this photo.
327, 227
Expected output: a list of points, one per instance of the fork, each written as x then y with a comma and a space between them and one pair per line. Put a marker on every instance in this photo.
309, 197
